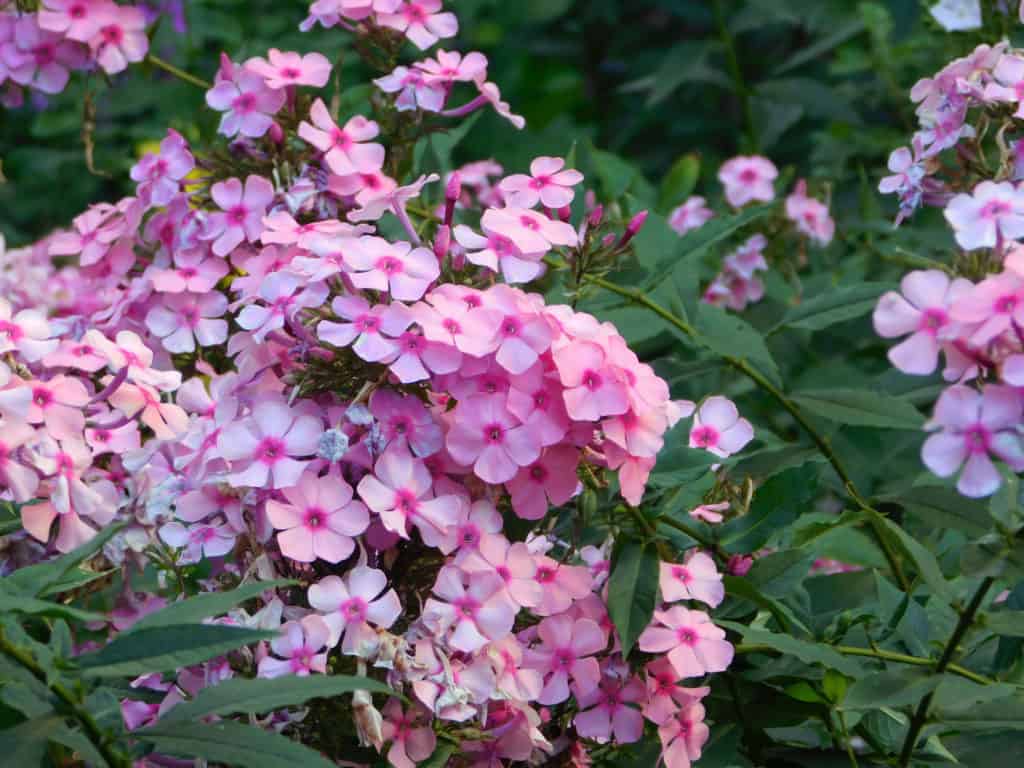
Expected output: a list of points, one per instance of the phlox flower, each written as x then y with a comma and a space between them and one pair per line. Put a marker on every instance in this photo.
992, 214
413, 89
530, 231
451, 66
16, 476
748, 178
78, 355
27, 333
422, 21
353, 605
397, 268
592, 388
138, 400
159, 175
371, 330
957, 15
604, 712
443, 319
346, 150
199, 539
412, 739
491, 94
908, 174
476, 612
718, 427
193, 270
474, 523
319, 520
183, 319
512, 678
300, 648
566, 652
695, 646
284, 297
695, 579
128, 350
551, 480
513, 564
265, 447
95, 232
75, 19
403, 421
692, 214
975, 426
246, 101
487, 437
683, 736
561, 585
38, 58
58, 403
495, 251
535, 398
377, 194
549, 183
810, 216
921, 309
120, 39
520, 336
665, 696
284, 69
241, 216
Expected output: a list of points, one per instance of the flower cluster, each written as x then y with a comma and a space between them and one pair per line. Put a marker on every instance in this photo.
250, 369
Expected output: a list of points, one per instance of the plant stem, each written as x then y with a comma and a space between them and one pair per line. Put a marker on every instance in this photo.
845, 732
181, 74
741, 365
739, 84
114, 758
917, 722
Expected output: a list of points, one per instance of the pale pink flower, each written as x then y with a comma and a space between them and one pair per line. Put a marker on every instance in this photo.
354, 605
75, 19
283, 297
491, 94
398, 268
561, 585
496, 251
15, 476
567, 653
119, 440
468, 328
1008, 82
748, 178
692, 214
551, 480
490, 439
476, 612
719, 428
992, 214
417, 358
664, 694
95, 232
27, 332
403, 421
536, 400
37, 58
810, 216
143, 401
513, 678
695, 646
300, 647
592, 388
921, 309
319, 519
451, 66
683, 736
696, 579
346, 150
513, 564
413, 89
474, 523
995, 305
377, 194
530, 231
975, 427
159, 175
79, 355
241, 216
58, 403
289, 68
604, 712
549, 183
198, 540
193, 270
185, 318
519, 337
422, 21
246, 101
266, 447
121, 38
366, 328
412, 739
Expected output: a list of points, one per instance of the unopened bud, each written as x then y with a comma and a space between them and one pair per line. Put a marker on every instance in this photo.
595, 216
442, 242
276, 133
739, 565
453, 190
608, 240
565, 213
634, 226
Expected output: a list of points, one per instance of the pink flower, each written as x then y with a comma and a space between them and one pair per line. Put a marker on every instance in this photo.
536, 400
718, 427
519, 337
604, 711
474, 523
683, 736
120, 39
300, 647
748, 178
159, 175
398, 268
143, 401
991, 215
549, 480
403, 421
184, 318
567, 653
975, 426
417, 357
451, 66
398, 491
422, 22
413, 89
198, 540
194, 270
26, 332
266, 446
513, 563
561, 585
490, 439
922, 309
17, 478
1008, 82
547, 184
290, 69
367, 327
810, 216
664, 694
280, 291
476, 612
695, 646
696, 579
996, 305
96, 231
75, 19
412, 739
352, 604
530, 231
491, 94
319, 519
592, 388
37, 58
346, 150
246, 101
59, 404
692, 214
241, 215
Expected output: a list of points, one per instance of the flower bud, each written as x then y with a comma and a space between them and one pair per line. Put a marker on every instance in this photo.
276, 133
565, 213
739, 565
442, 242
596, 215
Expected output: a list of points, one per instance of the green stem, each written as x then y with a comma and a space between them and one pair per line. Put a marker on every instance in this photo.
920, 717
741, 365
92, 730
181, 74
845, 732
739, 84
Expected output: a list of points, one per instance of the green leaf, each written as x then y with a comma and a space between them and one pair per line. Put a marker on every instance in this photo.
742, 589
165, 648
633, 590
1006, 623
941, 507
206, 605
895, 688
679, 182
776, 504
35, 579
924, 561
833, 306
245, 695
19, 604
74, 579
231, 743
807, 652
860, 407
24, 745
615, 173
822, 46
678, 463
441, 755
1001, 715
732, 337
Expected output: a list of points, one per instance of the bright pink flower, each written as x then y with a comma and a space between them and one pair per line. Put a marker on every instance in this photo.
377, 194
696, 579
567, 652
246, 101
810, 216
37, 58
412, 739
27, 332
683, 736
536, 400
593, 389
422, 21
241, 216
266, 446
1007, 82
198, 540
451, 66
159, 175
664, 694
748, 178
922, 309
185, 318
319, 520
996, 305
352, 604
695, 646
403, 421
96, 231
367, 327
604, 711
468, 328
520, 337
718, 427
547, 183
121, 38
992, 214
346, 150
490, 439
561, 585
398, 268
530, 231
692, 214
300, 647
399, 491
474, 523
283, 297
75, 19
79, 355
549, 480
975, 426
476, 612
289, 69
193, 270
413, 89
143, 401
513, 563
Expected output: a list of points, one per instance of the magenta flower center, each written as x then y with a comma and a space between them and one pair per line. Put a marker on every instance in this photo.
291, 73
316, 518
14, 332
538, 473
494, 434
705, 436
112, 34
270, 450
686, 636
237, 214
340, 139
933, 319
354, 609
545, 575
592, 380
245, 102
977, 439
563, 658
405, 502
469, 535
748, 176
529, 223
1006, 304
466, 607
994, 208
682, 574
389, 265
42, 397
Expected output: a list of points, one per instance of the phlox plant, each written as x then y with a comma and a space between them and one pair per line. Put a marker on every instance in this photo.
321, 449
